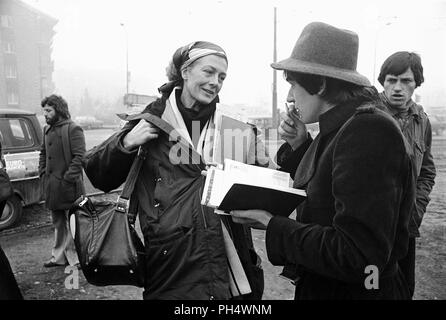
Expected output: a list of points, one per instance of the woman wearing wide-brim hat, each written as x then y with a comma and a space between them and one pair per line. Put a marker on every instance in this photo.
352, 228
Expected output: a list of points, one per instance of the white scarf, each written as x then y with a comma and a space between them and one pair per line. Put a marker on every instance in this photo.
238, 281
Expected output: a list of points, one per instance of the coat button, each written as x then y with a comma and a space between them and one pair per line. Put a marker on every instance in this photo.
158, 180
164, 252
211, 298
156, 205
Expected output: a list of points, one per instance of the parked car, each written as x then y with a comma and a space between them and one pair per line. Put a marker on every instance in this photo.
21, 137
438, 123
88, 122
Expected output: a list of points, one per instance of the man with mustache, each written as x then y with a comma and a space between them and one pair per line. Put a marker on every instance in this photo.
60, 167
400, 75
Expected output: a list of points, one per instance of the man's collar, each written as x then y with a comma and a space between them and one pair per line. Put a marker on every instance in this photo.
412, 108
57, 124
336, 117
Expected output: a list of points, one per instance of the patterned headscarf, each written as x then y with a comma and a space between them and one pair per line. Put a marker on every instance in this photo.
186, 55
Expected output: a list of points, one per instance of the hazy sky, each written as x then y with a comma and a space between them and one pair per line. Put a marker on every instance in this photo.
89, 48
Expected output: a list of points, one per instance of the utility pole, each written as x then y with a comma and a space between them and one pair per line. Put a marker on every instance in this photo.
127, 57
274, 119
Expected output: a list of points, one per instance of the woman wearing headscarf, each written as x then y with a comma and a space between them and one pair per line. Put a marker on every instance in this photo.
352, 229
185, 242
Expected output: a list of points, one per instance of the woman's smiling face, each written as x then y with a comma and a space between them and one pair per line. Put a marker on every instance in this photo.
203, 80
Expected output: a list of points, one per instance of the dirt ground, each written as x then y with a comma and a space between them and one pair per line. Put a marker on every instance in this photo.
28, 246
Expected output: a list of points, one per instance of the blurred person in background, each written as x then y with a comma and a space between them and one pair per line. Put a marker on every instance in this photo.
60, 168
401, 73
9, 290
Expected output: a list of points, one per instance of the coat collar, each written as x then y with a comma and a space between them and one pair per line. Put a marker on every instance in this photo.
329, 121
415, 110
173, 116
334, 118
57, 124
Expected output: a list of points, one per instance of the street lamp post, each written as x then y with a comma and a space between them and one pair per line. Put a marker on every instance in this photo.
275, 115
388, 23
127, 58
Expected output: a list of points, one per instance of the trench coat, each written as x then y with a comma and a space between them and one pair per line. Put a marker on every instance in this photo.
60, 164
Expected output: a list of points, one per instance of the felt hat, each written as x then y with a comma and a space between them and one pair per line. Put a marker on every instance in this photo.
326, 51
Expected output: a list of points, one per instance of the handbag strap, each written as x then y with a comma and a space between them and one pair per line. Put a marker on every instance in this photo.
123, 203
124, 199
168, 129
129, 185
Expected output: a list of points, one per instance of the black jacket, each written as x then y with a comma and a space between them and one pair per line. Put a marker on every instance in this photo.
183, 239
360, 190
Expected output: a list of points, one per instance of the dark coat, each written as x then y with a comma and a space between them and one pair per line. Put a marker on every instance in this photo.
8, 284
360, 190
418, 132
62, 177
186, 257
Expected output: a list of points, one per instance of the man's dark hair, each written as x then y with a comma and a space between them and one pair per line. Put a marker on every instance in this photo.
336, 91
398, 63
59, 104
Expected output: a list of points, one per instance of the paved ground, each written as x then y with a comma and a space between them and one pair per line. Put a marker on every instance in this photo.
28, 246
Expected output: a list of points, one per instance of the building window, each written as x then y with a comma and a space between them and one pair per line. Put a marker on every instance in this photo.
13, 98
9, 47
6, 21
11, 71
44, 83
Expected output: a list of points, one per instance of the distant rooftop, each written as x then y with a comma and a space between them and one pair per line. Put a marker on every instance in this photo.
36, 11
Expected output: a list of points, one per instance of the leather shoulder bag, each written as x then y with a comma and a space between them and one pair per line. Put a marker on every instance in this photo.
109, 249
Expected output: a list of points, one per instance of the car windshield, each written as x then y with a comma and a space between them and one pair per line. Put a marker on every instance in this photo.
15, 133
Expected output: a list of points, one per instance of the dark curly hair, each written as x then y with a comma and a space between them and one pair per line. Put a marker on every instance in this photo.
59, 104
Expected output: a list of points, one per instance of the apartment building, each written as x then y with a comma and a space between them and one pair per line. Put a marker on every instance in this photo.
26, 66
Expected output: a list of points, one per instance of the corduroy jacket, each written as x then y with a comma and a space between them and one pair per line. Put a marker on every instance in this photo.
360, 189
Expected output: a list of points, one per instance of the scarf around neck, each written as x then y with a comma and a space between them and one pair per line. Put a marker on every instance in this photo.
202, 114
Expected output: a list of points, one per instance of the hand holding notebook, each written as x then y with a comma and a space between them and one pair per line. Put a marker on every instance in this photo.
242, 187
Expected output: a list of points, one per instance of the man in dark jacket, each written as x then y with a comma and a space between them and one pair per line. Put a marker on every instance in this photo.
400, 75
60, 167
352, 229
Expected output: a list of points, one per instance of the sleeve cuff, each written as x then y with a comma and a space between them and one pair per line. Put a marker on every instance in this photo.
288, 159
121, 148
273, 240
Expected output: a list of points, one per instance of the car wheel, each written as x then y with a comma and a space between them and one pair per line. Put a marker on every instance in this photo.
11, 213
